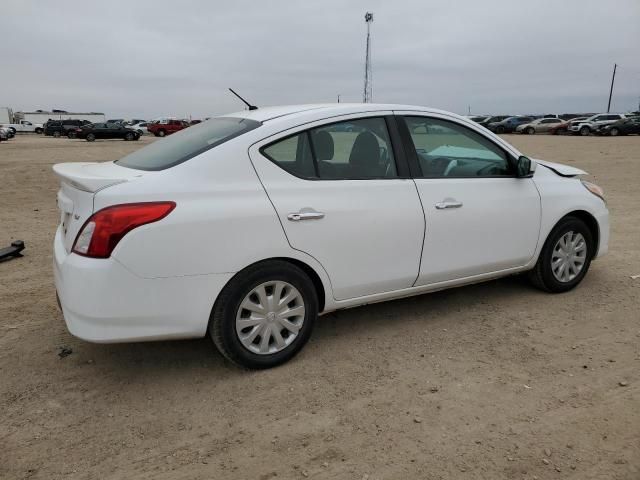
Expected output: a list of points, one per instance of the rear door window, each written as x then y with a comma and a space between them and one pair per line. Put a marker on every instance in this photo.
187, 143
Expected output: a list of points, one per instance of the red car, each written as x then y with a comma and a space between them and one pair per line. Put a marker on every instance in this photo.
166, 127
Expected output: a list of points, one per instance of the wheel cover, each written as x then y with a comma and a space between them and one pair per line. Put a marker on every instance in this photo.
270, 317
569, 256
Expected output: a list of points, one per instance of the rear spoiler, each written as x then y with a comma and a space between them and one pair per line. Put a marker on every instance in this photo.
93, 176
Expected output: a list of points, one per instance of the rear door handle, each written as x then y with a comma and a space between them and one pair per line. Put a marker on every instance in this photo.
448, 204
305, 214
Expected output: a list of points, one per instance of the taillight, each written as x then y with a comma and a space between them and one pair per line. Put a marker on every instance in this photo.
104, 229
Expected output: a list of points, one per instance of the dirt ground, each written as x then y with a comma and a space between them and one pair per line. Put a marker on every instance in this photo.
492, 381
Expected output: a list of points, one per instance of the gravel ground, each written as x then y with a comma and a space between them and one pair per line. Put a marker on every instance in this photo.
492, 381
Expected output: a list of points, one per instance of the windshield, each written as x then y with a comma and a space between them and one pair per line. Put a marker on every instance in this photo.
187, 143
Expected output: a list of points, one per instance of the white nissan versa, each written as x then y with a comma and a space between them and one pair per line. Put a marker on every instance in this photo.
249, 225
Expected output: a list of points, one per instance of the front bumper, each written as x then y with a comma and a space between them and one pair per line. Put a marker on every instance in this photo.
102, 301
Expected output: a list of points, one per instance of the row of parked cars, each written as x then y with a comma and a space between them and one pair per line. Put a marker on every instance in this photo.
613, 124
116, 128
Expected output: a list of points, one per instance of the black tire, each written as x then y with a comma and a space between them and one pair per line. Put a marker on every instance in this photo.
222, 321
91, 137
542, 275
614, 132
129, 136
161, 133
585, 131
531, 131
57, 134
38, 130
71, 135
500, 129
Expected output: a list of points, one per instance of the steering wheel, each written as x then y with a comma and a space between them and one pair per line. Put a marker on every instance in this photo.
488, 170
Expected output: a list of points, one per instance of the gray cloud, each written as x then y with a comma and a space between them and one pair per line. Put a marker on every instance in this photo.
151, 58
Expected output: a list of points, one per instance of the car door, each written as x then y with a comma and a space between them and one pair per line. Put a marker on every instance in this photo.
479, 217
343, 195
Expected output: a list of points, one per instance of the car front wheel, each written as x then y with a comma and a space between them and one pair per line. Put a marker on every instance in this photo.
265, 315
129, 137
614, 132
530, 131
584, 131
565, 257
91, 137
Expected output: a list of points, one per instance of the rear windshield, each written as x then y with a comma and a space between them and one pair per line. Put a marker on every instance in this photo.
185, 144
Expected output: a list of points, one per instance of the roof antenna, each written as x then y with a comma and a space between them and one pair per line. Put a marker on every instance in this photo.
251, 107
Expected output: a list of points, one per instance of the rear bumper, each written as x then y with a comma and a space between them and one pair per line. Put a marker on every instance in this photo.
102, 301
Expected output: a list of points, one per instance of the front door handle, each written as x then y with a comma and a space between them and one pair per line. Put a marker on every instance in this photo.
305, 214
448, 203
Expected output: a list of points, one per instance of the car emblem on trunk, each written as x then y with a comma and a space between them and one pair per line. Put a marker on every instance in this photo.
76, 216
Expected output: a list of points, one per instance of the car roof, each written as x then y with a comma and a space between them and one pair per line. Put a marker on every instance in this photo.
323, 110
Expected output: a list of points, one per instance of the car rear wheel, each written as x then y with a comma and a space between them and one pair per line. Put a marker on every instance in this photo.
530, 131
265, 315
129, 136
161, 133
38, 130
500, 129
565, 257
91, 137
57, 134
614, 132
585, 131
71, 134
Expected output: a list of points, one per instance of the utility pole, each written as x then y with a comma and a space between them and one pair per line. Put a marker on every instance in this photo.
338, 98
613, 78
367, 95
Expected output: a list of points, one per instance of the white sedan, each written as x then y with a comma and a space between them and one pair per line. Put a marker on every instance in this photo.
250, 225
141, 128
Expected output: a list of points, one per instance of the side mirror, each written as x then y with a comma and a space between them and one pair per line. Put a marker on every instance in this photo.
525, 168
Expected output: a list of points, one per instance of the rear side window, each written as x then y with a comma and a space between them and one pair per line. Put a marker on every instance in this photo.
187, 143
350, 150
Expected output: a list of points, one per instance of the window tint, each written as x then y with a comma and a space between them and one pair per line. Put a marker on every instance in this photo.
187, 143
447, 149
355, 149
293, 154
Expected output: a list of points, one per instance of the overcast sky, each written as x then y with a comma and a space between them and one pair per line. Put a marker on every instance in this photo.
152, 58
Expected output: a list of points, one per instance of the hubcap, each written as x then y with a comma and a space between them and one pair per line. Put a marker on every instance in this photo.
569, 255
270, 317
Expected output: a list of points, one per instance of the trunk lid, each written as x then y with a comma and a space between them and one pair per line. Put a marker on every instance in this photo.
79, 182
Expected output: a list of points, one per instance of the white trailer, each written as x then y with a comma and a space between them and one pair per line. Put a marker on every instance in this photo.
41, 116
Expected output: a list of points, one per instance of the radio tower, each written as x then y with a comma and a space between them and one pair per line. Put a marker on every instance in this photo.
367, 95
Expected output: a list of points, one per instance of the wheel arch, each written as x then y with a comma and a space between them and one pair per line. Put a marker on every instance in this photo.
591, 223
315, 278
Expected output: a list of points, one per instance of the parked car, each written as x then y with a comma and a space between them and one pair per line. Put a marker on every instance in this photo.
563, 128
95, 131
541, 125
135, 121
116, 120
478, 118
248, 226
594, 123
6, 132
63, 128
166, 127
626, 126
25, 126
141, 127
508, 125
492, 119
